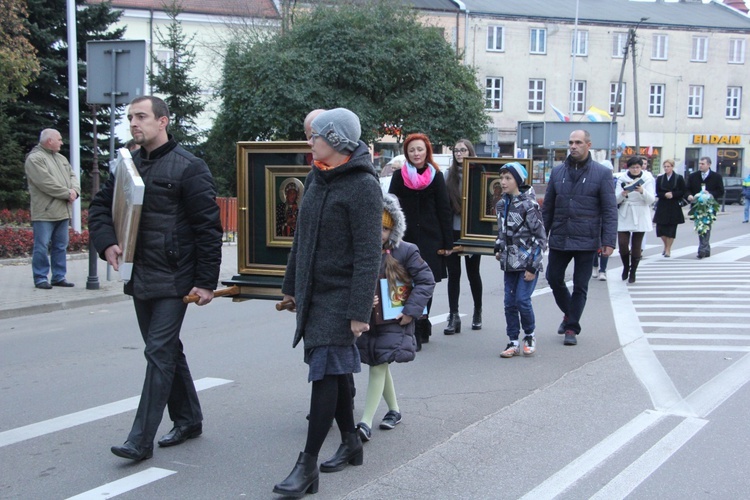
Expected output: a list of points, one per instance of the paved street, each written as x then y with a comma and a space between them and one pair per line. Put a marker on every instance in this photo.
652, 403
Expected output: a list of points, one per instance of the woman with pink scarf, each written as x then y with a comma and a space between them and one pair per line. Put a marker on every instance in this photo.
420, 189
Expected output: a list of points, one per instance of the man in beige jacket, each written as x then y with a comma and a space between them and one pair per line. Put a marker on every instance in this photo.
53, 187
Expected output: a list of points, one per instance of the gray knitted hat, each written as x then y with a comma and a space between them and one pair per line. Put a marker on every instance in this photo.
340, 128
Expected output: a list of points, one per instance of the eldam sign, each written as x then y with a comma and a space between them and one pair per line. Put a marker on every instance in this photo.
717, 139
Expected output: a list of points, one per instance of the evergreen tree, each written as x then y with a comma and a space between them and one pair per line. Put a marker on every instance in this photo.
172, 78
46, 103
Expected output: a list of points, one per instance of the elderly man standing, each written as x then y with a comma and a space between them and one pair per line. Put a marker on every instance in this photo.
53, 187
580, 215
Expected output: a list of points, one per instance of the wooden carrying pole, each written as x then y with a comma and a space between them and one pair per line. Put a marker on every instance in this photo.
222, 292
285, 305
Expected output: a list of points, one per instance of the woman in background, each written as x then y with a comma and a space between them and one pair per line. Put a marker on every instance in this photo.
635, 194
454, 183
420, 189
670, 190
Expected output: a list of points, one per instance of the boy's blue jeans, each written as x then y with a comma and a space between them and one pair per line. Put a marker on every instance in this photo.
518, 310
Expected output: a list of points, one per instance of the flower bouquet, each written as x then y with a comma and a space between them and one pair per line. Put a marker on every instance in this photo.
703, 212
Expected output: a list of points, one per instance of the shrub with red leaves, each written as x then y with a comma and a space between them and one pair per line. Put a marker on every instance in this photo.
17, 236
16, 242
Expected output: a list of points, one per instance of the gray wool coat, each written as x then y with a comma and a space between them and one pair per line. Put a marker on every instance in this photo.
335, 258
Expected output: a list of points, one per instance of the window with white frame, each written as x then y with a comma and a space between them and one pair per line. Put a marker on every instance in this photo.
699, 53
579, 96
734, 101
165, 57
538, 44
695, 101
613, 98
536, 96
737, 51
495, 38
493, 96
656, 99
580, 45
659, 46
619, 40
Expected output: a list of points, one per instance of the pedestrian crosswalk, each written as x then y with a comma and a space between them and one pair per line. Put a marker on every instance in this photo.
678, 307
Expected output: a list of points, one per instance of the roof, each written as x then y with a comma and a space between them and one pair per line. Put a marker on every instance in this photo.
240, 8
436, 5
690, 14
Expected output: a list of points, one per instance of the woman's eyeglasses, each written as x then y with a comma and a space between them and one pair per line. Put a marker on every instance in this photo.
461, 150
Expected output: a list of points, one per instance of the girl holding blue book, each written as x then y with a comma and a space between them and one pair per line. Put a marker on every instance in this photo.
408, 282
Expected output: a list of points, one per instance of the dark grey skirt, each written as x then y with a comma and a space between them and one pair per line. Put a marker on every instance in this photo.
332, 360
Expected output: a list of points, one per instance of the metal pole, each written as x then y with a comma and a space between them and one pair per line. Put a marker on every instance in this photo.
92, 282
73, 111
573, 66
635, 96
112, 112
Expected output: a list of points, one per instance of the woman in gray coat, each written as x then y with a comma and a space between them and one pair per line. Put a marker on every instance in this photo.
330, 277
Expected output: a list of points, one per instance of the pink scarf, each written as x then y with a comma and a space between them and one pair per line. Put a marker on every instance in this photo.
414, 180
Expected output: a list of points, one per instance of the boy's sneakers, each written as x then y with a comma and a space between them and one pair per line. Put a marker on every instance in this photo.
595, 273
603, 276
529, 345
510, 351
391, 420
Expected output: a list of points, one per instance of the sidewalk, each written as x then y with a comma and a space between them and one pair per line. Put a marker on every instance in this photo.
21, 298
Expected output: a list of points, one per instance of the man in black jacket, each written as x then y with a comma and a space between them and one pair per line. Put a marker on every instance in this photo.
714, 185
580, 216
178, 252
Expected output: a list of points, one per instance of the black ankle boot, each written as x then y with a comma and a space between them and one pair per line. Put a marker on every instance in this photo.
423, 329
454, 324
349, 452
625, 266
303, 478
633, 268
476, 321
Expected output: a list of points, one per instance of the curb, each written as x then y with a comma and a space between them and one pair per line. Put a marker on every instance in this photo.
61, 306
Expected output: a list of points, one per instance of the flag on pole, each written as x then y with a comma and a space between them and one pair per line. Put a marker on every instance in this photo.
562, 116
650, 151
595, 114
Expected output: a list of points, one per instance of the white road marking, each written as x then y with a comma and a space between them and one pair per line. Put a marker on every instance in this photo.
575, 470
713, 393
637, 472
125, 484
697, 336
82, 417
692, 314
704, 348
731, 255
693, 326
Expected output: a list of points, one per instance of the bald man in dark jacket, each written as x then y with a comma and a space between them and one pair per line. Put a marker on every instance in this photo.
580, 216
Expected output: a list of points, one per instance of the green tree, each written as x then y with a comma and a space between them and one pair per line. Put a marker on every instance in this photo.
46, 103
395, 71
172, 78
18, 62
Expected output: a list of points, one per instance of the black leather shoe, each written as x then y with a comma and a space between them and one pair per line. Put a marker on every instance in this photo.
63, 283
181, 433
44, 285
133, 452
